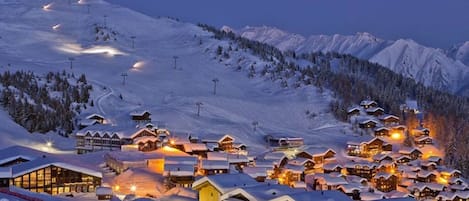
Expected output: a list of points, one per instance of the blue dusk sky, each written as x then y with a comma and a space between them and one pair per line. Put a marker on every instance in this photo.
435, 23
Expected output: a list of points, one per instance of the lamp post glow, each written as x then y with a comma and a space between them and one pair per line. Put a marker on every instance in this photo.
133, 188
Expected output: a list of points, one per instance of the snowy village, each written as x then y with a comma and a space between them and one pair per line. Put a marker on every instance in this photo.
151, 161
104, 101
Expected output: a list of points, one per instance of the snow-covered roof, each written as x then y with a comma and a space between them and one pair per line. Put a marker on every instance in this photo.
191, 147
367, 102
318, 151
146, 139
274, 156
367, 196
39, 163
374, 109
217, 156
15, 152
380, 157
256, 171
179, 169
103, 129
431, 186
88, 122
388, 116
331, 166
299, 161
226, 182
265, 163
424, 173
382, 128
360, 164
294, 168
314, 196
411, 104
139, 113
5, 172
383, 175
452, 195
216, 138
435, 159
351, 109
368, 121
181, 160
94, 116
349, 188
408, 150
104, 191
237, 158
260, 192
331, 179
214, 164
423, 138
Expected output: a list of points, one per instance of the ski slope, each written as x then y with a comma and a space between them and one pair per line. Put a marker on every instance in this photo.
32, 41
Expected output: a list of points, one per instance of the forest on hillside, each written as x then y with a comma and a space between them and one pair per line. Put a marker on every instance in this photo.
44, 103
352, 80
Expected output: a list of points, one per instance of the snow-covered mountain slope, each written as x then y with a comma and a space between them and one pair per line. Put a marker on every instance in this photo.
430, 66
362, 45
460, 52
427, 65
30, 42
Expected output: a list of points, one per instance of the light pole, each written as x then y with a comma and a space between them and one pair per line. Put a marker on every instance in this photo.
175, 58
71, 59
123, 77
199, 105
133, 41
215, 81
104, 17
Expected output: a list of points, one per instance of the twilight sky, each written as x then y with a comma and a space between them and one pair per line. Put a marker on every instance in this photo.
436, 23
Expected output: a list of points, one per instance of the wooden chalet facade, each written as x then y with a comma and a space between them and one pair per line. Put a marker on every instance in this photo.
90, 141
375, 111
389, 119
385, 182
364, 170
382, 131
368, 104
370, 123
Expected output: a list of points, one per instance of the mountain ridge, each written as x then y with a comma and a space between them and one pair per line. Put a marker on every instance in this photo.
430, 66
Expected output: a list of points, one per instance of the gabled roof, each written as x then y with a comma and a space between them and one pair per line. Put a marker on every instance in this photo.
349, 188
435, 159
262, 192
331, 166
299, 161
423, 138
139, 113
409, 150
217, 156
318, 151
15, 152
214, 165
237, 158
383, 175
274, 156
191, 147
388, 116
382, 128
351, 109
314, 196
88, 122
93, 116
179, 169
256, 171
216, 138
225, 182
374, 109
368, 121
431, 186
367, 102
5, 172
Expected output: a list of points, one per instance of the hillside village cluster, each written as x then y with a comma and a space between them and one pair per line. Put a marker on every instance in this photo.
149, 160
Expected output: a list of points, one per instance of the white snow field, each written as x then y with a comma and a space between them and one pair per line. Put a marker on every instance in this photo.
42, 38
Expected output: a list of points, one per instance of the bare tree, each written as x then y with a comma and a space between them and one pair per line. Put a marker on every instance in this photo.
199, 105
215, 81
